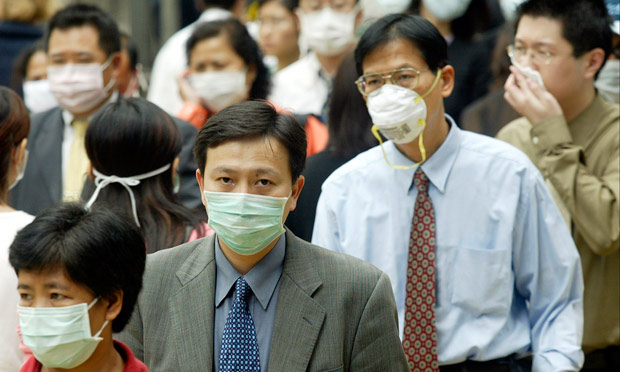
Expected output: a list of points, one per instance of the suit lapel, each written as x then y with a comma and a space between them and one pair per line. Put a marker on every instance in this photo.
49, 154
192, 310
299, 317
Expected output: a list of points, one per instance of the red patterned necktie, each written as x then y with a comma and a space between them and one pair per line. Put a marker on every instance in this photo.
420, 337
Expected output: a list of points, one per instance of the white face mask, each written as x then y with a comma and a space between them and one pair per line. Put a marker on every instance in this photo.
509, 8
220, 89
79, 87
608, 81
328, 32
446, 10
393, 6
21, 171
59, 337
529, 72
38, 97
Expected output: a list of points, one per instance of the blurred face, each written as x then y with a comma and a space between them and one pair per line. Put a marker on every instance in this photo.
52, 288
80, 45
252, 166
36, 69
278, 32
343, 6
400, 53
547, 51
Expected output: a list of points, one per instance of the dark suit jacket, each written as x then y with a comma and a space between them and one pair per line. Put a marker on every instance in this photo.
334, 312
41, 186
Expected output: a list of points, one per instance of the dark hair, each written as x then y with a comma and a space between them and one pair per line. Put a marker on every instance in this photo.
243, 44
476, 19
20, 65
130, 137
129, 44
224, 4
97, 248
349, 121
14, 127
415, 29
253, 119
291, 5
82, 15
585, 23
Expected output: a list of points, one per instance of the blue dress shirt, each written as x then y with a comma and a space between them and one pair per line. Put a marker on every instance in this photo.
508, 276
264, 279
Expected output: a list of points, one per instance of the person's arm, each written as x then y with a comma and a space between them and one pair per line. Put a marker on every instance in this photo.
377, 346
548, 274
325, 232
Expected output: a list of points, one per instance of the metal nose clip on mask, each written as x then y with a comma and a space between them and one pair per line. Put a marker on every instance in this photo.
400, 115
102, 180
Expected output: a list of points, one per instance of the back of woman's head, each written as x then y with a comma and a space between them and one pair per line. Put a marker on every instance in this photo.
129, 138
244, 45
349, 121
14, 127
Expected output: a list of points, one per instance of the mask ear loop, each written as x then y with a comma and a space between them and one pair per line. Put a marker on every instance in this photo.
375, 131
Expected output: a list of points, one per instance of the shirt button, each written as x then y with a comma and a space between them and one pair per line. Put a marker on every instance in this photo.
535, 140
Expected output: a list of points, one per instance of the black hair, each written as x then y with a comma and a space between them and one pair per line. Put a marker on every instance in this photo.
476, 19
585, 23
129, 44
291, 5
97, 249
349, 121
243, 44
253, 119
14, 127
224, 4
415, 29
20, 65
88, 15
131, 137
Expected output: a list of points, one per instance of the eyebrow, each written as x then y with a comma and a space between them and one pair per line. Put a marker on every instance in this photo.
267, 171
537, 44
46, 286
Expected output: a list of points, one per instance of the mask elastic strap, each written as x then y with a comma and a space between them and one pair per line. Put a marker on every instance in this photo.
101, 329
375, 131
102, 180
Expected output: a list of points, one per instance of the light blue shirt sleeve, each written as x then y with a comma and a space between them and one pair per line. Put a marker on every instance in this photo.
508, 278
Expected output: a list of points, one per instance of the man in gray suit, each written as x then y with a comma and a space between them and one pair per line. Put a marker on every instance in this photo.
302, 308
83, 45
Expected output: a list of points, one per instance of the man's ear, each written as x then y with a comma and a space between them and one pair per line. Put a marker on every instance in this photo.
447, 81
593, 61
296, 191
201, 186
114, 305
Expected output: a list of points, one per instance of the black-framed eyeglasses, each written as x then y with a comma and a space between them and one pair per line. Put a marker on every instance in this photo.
406, 77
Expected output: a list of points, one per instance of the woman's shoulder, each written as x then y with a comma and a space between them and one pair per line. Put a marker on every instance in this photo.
197, 233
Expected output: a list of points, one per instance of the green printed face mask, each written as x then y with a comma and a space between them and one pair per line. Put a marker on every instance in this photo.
246, 223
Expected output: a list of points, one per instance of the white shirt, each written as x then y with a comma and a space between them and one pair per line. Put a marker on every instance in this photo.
299, 88
171, 60
508, 275
10, 354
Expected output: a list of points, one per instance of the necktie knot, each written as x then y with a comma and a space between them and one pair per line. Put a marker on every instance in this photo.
420, 180
80, 125
242, 292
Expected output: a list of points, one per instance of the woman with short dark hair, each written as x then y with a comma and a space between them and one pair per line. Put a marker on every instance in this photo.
133, 147
79, 274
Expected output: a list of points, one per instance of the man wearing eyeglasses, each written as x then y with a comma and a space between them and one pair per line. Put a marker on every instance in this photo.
328, 31
572, 135
484, 271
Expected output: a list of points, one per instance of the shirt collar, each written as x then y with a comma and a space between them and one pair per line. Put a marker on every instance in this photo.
263, 277
437, 168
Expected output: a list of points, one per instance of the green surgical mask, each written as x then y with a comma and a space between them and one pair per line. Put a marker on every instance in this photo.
59, 337
246, 223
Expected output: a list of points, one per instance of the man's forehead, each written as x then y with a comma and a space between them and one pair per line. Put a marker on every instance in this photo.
539, 29
83, 38
249, 152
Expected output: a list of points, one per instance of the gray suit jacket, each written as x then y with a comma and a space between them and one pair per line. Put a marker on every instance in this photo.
41, 186
334, 312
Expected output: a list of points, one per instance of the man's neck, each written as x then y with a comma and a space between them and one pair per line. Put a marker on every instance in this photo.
576, 104
434, 135
244, 263
330, 64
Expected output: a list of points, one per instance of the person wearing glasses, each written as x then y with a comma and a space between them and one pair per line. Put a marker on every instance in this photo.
572, 134
484, 271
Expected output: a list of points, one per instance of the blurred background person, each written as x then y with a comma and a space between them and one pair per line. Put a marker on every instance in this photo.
14, 127
20, 26
131, 79
171, 59
30, 74
328, 28
461, 23
349, 135
133, 147
225, 66
278, 31
608, 81
79, 273
488, 114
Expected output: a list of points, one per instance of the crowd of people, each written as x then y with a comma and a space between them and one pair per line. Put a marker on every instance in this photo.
312, 185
